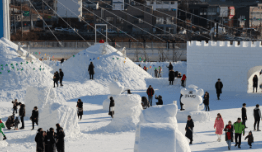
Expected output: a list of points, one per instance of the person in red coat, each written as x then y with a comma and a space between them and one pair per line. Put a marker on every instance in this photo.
219, 126
229, 134
183, 80
150, 92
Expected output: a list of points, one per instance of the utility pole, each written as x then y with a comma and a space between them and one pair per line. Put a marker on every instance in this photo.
21, 19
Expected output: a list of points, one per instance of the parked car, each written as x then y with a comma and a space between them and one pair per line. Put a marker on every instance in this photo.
59, 29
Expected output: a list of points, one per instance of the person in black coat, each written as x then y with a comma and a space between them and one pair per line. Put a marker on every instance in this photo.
62, 60
170, 67
61, 75
50, 140
189, 129
255, 83
15, 104
218, 86
160, 101
257, 117
128, 91
181, 104
206, 101
34, 117
56, 78
91, 70
40, 141
22, 115
60, 135
171, 77
111, 107
150, 92
10, 122
244, 114
80, 109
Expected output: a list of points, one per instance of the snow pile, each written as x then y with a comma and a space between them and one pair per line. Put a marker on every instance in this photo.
110, 66
192, 98
51, 109
17, 73
127, 111
158, 131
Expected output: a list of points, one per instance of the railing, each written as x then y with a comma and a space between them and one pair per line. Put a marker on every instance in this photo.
79, 44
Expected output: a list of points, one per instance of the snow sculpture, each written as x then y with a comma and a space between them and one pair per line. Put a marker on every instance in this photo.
158, 130
124, 52
52, 110
192, 100
115, 88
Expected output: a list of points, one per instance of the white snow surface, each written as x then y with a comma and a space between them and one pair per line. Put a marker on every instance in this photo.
95, 136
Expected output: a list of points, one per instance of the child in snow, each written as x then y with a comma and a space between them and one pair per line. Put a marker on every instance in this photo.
2, 125
17, 122
250, 139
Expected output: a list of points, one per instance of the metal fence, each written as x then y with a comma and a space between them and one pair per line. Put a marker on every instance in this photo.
79, 44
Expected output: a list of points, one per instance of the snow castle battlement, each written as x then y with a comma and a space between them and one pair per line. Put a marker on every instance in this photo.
226, 44
233, 64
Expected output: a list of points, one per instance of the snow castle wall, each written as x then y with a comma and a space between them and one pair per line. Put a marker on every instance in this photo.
206, 62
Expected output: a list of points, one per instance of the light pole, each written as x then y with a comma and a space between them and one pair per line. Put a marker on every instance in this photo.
223, 20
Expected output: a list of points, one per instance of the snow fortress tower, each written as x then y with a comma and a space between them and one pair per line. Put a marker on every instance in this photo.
158, 130
4, 19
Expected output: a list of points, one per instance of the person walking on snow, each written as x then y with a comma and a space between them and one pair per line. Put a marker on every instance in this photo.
15, 104
150, 92
255, 83
250, 139
91, 70
80, 110
34, 117
206, 101
183, 80
218, 86
159, 71
171, 77
22, 115
244, 114
219, 126
111, 107
257, 116
2, 125
229, 134
56, 78
239, 129
189, 129
61, 75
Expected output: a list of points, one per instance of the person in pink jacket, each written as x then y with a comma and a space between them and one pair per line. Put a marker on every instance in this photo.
219, 126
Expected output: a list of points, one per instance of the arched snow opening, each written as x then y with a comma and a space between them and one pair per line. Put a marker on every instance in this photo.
251, 72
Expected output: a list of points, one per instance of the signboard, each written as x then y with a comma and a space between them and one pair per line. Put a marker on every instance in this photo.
26, 13
118, 4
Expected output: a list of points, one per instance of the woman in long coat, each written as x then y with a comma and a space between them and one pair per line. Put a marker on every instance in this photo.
219, 126
255, 83
111, 107
91, 70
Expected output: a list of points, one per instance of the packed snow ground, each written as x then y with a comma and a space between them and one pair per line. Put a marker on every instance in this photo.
94, 138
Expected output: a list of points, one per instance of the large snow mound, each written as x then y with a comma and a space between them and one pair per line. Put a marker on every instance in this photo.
17, 73
110, 65
52, 109
158, 125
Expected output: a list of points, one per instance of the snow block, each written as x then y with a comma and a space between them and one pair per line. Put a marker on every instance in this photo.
115, 88
192, 100
52, 110
127, 111
158, 131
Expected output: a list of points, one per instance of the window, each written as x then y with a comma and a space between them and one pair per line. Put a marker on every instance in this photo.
203, 11
119, 20
148, 9
172, 2
159, 20
165, 2
98, 20
168, 20
110, 19
139, 19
